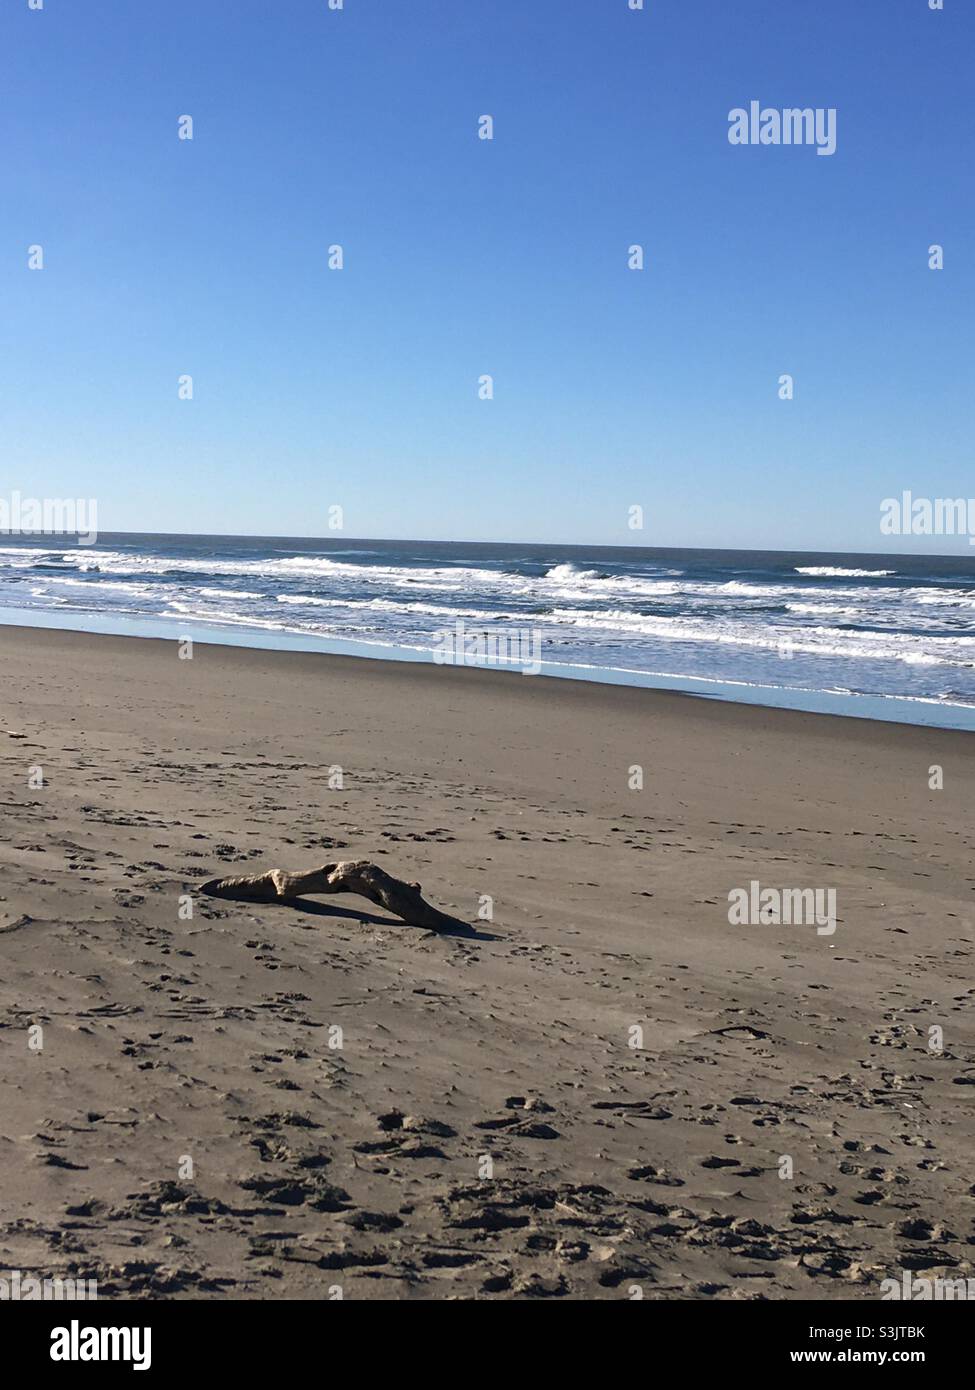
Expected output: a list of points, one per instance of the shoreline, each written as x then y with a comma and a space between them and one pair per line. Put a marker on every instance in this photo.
890, 709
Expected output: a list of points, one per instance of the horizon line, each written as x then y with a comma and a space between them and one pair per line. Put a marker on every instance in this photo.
433, 540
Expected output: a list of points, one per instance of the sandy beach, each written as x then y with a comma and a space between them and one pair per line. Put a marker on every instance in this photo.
601, 1089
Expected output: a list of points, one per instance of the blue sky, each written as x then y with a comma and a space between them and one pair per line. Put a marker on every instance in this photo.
463, 257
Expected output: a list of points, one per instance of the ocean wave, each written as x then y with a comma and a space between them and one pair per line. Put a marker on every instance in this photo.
385, 605
292, 566
838, 572
231, 593
179, 609
94, 586
942, 598
571, 571
910, 648
184, 611
822, 609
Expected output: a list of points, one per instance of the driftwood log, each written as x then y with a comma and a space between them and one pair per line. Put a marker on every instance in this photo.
353, 876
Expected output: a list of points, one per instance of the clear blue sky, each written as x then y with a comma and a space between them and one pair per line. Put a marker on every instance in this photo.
359, 387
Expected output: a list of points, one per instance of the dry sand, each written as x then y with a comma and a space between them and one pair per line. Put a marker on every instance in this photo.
364, 1166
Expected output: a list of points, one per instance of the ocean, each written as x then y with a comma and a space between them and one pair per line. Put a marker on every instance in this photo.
889, 637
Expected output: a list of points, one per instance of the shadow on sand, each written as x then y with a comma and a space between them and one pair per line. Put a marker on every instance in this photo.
454, 926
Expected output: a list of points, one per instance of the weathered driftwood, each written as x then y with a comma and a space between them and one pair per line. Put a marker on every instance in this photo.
354, 876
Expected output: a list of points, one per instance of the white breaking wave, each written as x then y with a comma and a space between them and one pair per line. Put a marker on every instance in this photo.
177, 609
570, 571
817, 641
944, 598
831, 571
93, 585
293, 566
827, 610
386, 605
231, 593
